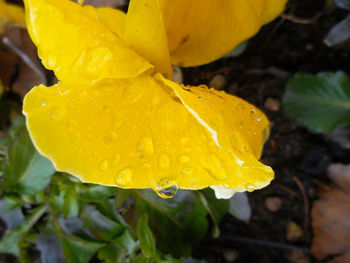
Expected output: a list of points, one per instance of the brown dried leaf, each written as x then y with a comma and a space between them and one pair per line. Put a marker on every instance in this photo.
331, 217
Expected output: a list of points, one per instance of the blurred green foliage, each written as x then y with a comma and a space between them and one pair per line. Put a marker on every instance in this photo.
320, 102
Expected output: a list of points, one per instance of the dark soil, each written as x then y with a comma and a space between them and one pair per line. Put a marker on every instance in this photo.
298, 157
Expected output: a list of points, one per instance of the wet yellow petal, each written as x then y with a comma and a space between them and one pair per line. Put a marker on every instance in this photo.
145, 31
245, 133
80, 48
113, 19
201, 31
136, 133
11, 14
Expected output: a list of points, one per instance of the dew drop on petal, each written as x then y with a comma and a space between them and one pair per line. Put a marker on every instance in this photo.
103, 165
187, 170
166, 188
164, 161
145, 148
216, 168
184, 158
250, 187
123, 177
43, 103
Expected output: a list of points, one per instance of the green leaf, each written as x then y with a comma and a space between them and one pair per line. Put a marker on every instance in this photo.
217, 208
178, 223
112, 254
10, 242
71, 204
126, 241
95, 193
78, 250
101, 226
26, 170
321, 102
144, 233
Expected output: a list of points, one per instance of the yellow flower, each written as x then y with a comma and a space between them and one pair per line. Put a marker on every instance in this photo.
10, 14
113, 119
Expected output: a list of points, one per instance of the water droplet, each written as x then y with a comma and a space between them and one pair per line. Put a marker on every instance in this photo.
184, 158
145, 148
258, 119
216, 168
252, 111
250, 187
43, 103
245, 147
109, 138
164, 161
58, 112
103, 165
166, 188
62, 90
188, 170
123, 177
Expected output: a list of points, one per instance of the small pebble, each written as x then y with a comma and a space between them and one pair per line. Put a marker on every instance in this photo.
293, 232
231, 255
272, 104
273, 204
218, 82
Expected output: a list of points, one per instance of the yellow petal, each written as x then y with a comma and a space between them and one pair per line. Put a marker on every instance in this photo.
136, 133
145, 31
11, 14
113, 19
80, 48
201, 31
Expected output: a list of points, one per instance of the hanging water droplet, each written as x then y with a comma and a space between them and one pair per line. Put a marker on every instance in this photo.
166, 188
250, 187
145, 148
103, 165
58, 112
164, 161
216, 168
123, 177
184, 158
